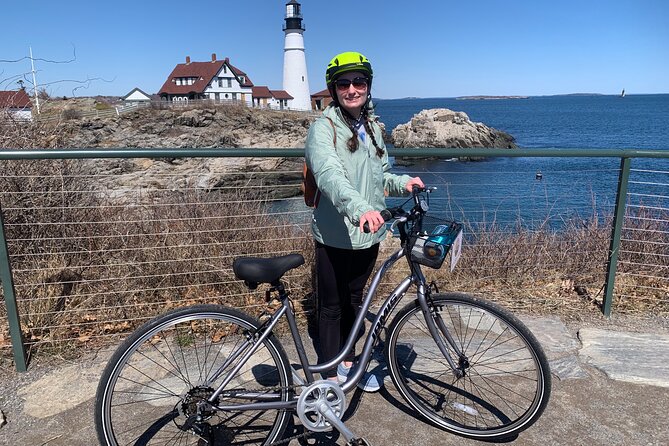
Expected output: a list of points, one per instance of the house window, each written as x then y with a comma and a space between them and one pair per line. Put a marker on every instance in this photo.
234, 96
217, 96
241, 79
229, 82
220, 82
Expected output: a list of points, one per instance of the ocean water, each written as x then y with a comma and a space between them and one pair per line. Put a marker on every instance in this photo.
507, 190
609, 122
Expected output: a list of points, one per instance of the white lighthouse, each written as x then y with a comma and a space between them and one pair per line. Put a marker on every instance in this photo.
295, 80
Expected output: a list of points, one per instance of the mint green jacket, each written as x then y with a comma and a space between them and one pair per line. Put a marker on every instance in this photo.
350, 183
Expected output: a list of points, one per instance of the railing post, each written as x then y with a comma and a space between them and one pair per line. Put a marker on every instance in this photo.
614, 248
10, 301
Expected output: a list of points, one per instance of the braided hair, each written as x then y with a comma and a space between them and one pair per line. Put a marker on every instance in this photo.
352, 123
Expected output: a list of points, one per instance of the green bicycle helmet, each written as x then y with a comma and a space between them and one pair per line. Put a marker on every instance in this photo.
344, 62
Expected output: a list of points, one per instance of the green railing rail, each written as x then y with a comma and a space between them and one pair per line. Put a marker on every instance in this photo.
9, 154
625, 156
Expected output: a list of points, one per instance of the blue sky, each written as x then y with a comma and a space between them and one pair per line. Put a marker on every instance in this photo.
429, 48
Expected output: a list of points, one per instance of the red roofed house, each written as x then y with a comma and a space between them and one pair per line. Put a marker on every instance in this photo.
320, 100
263, 97
17, 104
217, 80
281, 98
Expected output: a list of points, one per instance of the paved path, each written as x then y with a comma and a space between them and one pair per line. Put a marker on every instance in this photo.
610, 387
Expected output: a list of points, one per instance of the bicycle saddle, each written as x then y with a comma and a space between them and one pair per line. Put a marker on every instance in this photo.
255, 270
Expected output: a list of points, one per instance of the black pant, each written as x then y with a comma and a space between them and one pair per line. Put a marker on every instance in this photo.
342, 275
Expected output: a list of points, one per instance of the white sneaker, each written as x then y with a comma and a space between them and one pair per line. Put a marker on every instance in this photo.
369, 382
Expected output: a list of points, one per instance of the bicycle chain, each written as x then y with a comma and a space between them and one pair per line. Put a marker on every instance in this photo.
305, 434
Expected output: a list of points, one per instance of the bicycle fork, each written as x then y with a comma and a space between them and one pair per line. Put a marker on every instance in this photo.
438, 330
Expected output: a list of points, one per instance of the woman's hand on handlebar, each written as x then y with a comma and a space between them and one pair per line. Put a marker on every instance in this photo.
415, 181
371, 221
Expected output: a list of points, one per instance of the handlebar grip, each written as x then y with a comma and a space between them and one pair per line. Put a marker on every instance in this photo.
385, 214
415, 189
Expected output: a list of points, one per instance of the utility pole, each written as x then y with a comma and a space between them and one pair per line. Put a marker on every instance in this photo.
32, 64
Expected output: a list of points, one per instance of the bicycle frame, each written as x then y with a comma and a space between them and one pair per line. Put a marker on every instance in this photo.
436, 329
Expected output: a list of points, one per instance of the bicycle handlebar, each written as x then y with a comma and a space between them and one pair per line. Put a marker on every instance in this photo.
390, 213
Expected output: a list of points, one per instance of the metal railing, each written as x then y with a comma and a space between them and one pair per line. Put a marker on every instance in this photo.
93, 242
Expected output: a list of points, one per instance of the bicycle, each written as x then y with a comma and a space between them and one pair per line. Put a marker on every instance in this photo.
209, 374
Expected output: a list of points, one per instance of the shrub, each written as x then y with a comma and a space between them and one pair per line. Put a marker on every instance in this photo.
71, 114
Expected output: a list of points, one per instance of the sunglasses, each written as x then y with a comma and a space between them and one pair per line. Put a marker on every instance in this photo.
359, 83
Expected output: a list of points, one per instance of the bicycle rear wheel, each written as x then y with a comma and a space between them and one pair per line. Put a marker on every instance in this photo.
506, 383
151, 389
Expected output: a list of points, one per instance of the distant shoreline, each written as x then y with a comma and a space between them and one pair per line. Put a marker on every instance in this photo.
492, 97
487, 98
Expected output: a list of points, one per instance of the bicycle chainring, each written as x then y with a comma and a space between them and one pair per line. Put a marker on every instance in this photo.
315, 400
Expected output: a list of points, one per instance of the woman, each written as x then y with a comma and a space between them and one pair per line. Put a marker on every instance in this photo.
346, 153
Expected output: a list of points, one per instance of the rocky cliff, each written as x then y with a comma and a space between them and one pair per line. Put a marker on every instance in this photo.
224, 126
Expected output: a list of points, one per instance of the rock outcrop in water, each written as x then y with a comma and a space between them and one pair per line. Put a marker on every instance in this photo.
442, 127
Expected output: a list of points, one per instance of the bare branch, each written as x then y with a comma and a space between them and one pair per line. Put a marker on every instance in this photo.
25, 77
74, 57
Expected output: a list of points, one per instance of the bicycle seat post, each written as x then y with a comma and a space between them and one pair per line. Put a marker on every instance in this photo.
283, 297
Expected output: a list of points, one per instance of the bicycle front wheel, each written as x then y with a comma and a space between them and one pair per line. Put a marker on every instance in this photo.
505, 383
155, 388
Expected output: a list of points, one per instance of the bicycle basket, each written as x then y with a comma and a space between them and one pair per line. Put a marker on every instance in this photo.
431, 244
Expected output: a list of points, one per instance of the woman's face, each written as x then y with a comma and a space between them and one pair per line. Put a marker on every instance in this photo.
351, 89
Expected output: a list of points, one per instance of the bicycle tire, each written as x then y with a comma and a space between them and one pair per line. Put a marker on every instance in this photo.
507, 381
154, 380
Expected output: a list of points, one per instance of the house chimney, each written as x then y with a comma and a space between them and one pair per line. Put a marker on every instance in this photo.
227, 60
187, 60
213, 57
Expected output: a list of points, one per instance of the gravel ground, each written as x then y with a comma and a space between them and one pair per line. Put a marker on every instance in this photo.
52, 403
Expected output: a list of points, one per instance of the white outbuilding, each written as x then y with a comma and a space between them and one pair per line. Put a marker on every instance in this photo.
136, 97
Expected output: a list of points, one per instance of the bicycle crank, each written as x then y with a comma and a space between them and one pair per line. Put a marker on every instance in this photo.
320, 404
321, 407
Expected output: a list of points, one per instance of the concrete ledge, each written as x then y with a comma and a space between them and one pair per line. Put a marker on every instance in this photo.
632, 357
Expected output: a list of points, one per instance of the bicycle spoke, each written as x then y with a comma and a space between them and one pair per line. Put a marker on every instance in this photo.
162, 376
502, 383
